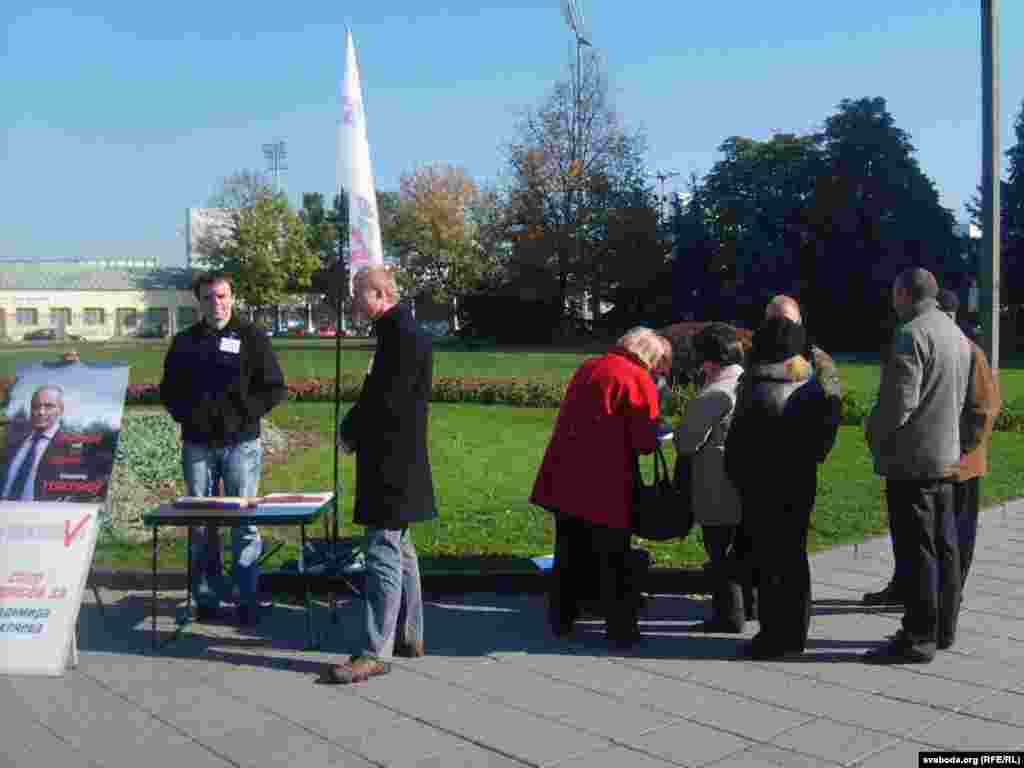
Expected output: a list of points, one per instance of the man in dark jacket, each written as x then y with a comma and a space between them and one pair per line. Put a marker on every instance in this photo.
220, 378
387, 429
918, 436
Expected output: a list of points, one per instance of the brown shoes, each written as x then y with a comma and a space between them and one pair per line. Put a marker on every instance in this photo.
358, 669
409, 651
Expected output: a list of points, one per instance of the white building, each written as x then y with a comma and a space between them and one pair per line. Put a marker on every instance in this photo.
94, 300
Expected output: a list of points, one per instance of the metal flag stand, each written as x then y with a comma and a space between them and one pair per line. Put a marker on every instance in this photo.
334, 560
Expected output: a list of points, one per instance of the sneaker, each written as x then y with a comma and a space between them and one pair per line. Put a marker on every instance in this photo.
357, 669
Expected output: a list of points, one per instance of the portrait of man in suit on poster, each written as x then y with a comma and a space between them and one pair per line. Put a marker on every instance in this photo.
62, 435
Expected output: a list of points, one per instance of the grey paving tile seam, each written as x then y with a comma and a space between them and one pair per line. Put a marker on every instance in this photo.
61, 740
155, 716
909, 740
503, 702
354, 691
605, 694
214, 682
794, 707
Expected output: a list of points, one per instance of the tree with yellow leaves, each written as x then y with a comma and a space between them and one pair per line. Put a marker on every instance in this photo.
446, 229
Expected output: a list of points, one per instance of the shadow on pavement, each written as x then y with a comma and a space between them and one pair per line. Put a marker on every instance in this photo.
465, 626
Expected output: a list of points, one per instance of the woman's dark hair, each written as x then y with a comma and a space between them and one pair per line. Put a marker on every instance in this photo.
778, 339
718, 343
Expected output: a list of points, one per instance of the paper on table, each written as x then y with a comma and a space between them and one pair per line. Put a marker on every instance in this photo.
544, 562
216, 502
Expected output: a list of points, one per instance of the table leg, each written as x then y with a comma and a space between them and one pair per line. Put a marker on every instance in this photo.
153, 604
311, 643
188, 576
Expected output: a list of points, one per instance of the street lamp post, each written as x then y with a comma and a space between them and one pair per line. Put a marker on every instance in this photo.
989, 263
574, 18
662, 177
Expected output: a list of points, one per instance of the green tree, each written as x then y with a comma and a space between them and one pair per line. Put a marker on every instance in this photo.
757, 201
266, 252
875, 213
321, 229
566, 154
439, 227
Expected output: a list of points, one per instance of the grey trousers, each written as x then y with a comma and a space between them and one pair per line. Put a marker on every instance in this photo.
393, 598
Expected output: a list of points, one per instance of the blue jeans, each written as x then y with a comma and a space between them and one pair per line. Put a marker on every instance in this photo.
393, 600
239, 467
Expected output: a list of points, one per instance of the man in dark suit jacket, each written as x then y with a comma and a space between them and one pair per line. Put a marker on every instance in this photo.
387, 429
29, 464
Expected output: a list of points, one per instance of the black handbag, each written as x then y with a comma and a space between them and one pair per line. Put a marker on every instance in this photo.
663, 510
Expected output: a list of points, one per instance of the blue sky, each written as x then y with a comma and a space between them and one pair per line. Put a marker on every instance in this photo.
118, 115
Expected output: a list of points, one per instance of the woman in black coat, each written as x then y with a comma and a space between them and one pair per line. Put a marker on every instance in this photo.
771, 456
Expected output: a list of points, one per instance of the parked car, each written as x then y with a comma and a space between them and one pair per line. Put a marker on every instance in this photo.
50, 334
327, 329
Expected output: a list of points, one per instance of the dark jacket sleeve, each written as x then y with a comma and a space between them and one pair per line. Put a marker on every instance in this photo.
173, 392
401, 360
266, 386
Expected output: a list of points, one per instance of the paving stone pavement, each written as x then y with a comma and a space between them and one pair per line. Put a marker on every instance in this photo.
496, 690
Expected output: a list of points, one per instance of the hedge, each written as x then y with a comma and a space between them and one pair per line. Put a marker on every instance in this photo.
523, 392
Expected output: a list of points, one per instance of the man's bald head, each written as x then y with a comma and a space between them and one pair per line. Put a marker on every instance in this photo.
783, 306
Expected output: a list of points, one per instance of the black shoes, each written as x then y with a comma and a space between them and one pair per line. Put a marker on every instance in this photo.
765, 649
888, 596
207, 614
248, 615
624, 639
719, 626
899, 650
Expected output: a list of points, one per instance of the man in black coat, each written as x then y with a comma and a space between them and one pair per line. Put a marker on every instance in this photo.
387, 429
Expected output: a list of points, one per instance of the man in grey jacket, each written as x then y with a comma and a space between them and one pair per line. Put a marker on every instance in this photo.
914, 432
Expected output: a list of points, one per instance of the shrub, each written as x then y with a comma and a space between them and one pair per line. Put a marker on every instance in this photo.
1011, 417
855, 410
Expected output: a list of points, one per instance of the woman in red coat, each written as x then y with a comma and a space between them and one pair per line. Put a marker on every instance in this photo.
586, 479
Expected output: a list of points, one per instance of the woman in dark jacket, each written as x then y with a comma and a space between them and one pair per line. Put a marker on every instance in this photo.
771, 456
586, 480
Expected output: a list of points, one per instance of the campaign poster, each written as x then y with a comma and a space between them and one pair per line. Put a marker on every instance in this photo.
64, 419
45, 553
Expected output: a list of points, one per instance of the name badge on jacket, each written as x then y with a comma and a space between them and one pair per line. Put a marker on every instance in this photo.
230, 345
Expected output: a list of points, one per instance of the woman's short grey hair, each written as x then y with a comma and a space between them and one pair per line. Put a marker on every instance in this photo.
644, 343
380, 277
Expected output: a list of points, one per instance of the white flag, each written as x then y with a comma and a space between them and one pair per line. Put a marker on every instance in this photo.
355, 173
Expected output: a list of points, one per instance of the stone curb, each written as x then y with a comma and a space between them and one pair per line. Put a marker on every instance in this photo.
657, 581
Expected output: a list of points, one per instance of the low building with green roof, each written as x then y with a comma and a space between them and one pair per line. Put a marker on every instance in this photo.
97, 301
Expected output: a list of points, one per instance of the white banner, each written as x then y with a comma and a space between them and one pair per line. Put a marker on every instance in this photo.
355, 173
46, 549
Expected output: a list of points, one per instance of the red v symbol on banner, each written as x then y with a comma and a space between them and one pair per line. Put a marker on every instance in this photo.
70, 533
